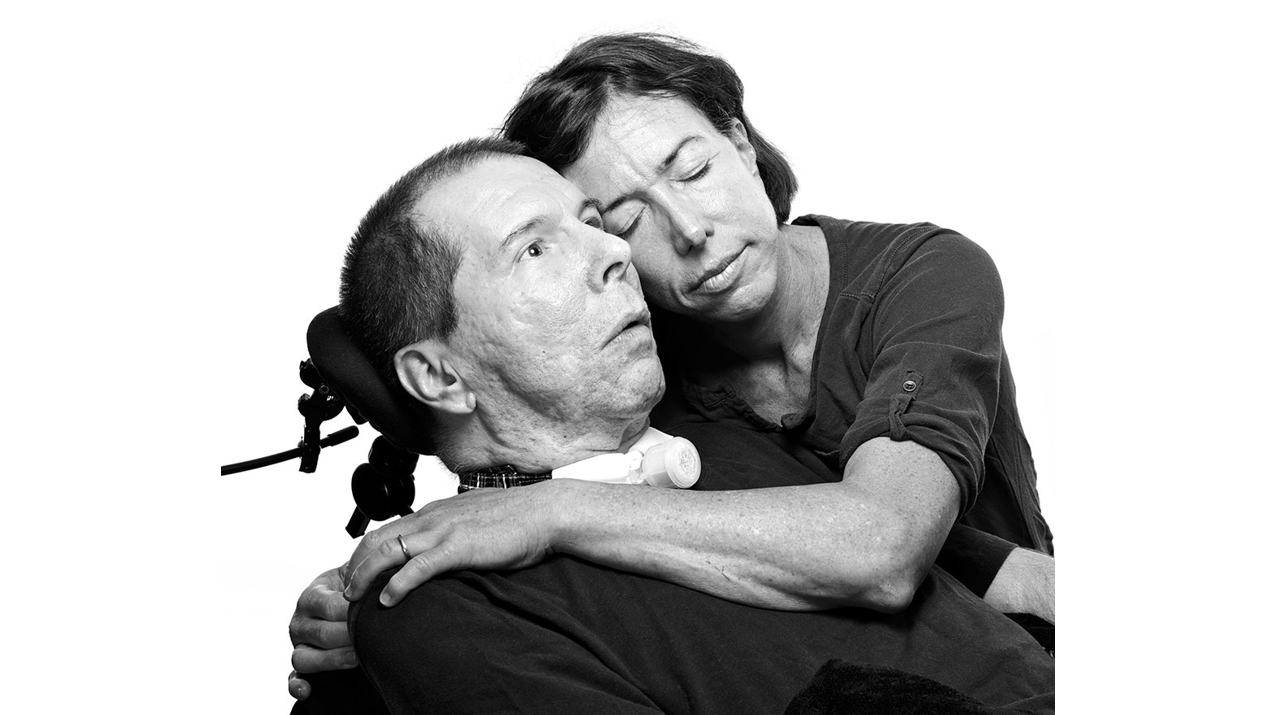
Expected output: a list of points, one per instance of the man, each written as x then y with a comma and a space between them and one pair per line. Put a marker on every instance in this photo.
476, 336
545, 308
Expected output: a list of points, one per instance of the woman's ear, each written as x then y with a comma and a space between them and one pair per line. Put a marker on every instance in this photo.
428, 371
740, 140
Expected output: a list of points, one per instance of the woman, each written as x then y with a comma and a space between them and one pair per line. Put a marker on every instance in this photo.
878, 347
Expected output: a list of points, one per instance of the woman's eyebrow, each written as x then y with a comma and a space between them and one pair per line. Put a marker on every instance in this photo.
661, 169
673, 155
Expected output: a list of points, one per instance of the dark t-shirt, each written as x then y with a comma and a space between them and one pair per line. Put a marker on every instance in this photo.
909, 347
571, 636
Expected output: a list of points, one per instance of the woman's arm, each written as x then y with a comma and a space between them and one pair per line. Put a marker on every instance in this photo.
865, 541
1021, 583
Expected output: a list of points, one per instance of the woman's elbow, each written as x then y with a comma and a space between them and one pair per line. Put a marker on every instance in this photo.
897, 572
893, 595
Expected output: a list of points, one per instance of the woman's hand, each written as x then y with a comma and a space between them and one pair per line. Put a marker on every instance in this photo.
320, 639
1025, 584
487, 529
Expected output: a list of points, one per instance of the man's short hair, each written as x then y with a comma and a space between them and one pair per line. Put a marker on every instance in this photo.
397, 281
555, 117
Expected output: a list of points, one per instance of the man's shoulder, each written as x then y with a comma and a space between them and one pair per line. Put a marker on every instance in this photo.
460, 599
460, 642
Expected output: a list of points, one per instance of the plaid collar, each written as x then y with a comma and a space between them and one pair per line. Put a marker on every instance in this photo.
502, 477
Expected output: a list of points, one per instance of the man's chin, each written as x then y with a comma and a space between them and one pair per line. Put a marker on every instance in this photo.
652, 386
638, 391
659, 392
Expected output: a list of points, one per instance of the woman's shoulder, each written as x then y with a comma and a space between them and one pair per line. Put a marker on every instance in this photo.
871, 233
873, 251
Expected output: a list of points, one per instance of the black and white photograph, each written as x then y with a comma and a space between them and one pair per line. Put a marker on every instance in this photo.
670, 358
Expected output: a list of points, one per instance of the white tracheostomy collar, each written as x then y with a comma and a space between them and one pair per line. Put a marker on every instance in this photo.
656, 459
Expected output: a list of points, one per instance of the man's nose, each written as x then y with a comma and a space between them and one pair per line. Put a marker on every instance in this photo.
614, 257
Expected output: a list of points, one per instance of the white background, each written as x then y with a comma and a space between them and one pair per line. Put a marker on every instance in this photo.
179, 185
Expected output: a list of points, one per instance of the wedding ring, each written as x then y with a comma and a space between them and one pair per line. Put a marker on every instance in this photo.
406, 555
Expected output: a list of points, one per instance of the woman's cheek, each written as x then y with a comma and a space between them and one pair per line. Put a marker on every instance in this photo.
655, 271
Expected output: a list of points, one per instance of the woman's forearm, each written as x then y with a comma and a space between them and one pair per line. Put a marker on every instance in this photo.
866, 541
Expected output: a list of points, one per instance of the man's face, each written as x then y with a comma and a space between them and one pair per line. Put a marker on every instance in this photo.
550, 311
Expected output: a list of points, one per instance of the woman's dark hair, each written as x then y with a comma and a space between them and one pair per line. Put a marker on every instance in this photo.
556, 114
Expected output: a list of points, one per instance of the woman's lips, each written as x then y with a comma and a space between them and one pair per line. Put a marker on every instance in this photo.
718, 277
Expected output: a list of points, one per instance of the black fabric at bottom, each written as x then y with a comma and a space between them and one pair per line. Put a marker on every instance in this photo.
839, 688
340, 692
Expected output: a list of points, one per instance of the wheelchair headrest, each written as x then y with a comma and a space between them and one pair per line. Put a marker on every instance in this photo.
347, 371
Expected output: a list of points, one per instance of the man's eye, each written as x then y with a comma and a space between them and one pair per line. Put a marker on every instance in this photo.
535, 250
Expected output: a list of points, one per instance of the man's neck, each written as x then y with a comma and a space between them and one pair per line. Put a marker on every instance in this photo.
532, 445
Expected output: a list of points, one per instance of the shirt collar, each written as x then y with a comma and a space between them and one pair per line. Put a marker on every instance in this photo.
502, 477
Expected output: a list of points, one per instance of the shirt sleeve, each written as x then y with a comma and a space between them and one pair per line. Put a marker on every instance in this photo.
934, 331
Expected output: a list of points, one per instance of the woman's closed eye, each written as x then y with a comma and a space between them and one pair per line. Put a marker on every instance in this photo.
699, 174
628, 231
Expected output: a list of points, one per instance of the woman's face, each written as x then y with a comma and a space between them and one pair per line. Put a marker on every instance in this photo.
690, 202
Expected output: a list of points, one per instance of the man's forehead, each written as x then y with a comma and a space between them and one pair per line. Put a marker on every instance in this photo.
486, 202
493, 190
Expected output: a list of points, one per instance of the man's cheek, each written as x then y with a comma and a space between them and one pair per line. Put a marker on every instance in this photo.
555, 314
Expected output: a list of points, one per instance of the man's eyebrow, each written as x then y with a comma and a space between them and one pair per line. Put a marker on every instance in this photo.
523, 228
536, 221
662, 168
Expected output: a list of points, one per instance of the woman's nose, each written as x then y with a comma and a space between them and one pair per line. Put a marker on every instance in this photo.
689, 226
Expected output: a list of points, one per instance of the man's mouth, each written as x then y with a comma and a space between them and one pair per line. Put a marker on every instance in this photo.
636, 319
719, 276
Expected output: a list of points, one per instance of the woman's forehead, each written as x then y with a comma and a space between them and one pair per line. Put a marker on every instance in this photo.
630, 121
638, 138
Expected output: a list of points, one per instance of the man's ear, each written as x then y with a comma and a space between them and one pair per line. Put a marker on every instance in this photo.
428, 371
740, 139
